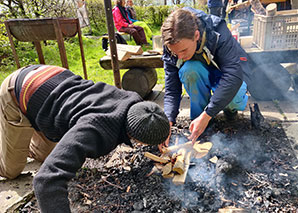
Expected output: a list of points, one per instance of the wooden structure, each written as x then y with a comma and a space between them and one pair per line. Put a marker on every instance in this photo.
37, 30
141, 76
112, 42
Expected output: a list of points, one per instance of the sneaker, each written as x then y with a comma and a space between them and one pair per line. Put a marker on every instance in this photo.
230, 114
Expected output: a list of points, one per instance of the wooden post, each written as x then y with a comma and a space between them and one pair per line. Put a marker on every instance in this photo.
82, 50
39, 52
60, 41
14, 52
112, 42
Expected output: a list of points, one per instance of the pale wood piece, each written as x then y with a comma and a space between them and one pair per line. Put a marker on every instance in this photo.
179, 163
202, 147
171, 175
179, 146
180, 179
231, 209
133, 49
124, 51
167, 169
155, 158
213, 159
235, 6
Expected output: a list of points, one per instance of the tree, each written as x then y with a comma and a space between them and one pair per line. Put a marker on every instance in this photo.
37, 8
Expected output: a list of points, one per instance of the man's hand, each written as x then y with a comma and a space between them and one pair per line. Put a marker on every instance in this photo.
198, 126
130, 25
167, 141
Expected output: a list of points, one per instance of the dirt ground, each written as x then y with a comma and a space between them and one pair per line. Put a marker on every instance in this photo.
256, 171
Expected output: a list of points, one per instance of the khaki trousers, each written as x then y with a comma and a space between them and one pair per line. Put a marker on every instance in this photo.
18, 140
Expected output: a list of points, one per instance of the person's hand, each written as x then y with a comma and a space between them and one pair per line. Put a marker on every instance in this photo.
167, 141
198, 126
130, 25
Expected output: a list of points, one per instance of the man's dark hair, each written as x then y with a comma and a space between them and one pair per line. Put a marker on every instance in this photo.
179, 25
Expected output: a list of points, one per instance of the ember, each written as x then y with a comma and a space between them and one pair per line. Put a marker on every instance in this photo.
246, 169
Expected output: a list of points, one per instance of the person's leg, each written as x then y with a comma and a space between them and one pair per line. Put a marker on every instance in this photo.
40, 147
146, 28
239, 102
141, 33
15, 134
132, 31
195, 78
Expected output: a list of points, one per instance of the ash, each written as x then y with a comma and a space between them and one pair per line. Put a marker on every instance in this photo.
256, 171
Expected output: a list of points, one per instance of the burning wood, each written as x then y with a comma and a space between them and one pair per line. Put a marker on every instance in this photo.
175, 160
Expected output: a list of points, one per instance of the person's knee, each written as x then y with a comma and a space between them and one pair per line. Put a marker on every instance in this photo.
193, 70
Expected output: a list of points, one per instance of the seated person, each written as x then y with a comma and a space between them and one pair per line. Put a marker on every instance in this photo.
123, 24
132, 15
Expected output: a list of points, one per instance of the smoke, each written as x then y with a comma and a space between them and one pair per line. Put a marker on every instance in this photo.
203, 177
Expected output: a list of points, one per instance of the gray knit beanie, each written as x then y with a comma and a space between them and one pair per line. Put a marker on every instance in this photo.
147, 123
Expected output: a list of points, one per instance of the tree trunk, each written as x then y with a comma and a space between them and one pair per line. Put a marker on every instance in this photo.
194, 2
165, 2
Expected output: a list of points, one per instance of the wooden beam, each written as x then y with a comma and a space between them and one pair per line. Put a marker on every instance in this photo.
112, 42
134, 61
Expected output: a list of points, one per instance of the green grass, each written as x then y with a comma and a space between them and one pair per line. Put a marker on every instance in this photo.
92, 50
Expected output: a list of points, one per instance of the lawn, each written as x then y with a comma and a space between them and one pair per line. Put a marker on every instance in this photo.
92, 50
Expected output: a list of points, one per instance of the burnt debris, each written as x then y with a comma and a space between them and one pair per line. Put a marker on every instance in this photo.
256, 171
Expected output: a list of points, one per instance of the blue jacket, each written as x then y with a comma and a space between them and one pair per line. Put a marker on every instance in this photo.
227, 54
214, 3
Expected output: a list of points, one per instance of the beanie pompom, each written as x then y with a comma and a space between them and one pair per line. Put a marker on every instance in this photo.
147, 123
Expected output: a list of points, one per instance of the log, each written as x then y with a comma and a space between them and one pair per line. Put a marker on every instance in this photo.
180, 179
140, 80
179, 163
155, 158
134, 61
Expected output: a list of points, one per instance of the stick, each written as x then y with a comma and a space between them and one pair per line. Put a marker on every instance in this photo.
155, 158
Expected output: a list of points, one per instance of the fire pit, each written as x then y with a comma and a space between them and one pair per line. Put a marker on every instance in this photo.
256, 171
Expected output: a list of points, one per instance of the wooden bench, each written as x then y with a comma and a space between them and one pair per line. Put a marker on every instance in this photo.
121, 33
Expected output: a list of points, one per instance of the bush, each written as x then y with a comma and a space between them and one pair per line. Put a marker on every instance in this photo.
97, 16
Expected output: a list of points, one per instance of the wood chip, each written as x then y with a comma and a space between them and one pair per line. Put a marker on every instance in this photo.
167, 169
213, 159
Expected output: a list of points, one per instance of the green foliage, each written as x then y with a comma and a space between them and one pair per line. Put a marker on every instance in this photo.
97, 16
37, 8
153, 15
